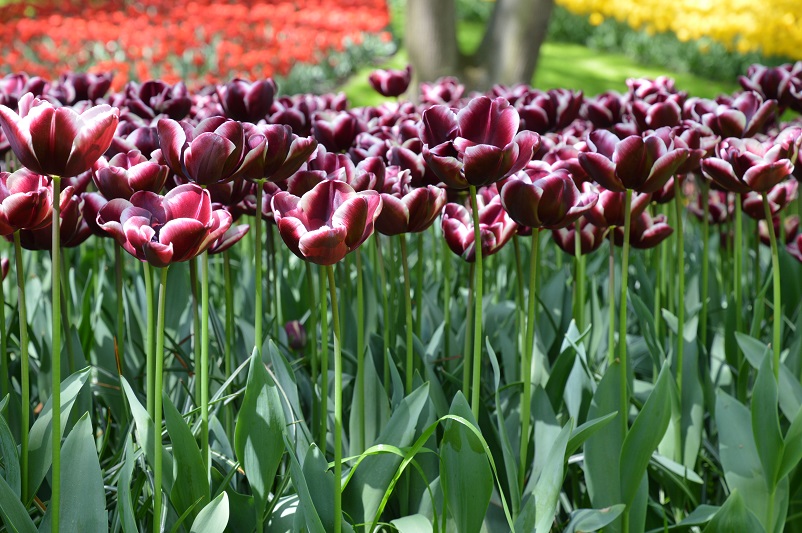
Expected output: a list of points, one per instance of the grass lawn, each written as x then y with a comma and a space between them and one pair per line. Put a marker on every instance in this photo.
560, 65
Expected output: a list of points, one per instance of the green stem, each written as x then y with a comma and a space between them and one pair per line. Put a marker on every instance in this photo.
737, 274
385, 313
150, 339
275, 271
65, 316
324, 362
119, 342
705, 261
446, 300
419, 287
228, 361
611, 306
520, 323
775, 274
257, 273
25, 380
360, 347
196, 326
660, 269
466, 349
410, 363
338, 403
204, 361
680, 285
580, 277
55, 353
476, 387
157, 420
526, 358
5, 380
622, 316
310, 290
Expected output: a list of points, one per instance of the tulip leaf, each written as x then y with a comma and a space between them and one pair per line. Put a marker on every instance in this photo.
547, 490
792, 452
510, 459
377, 407
464, 470
593, 519
190, 486
753, 349
259, 434
126, 508
586, 430
10, 457
644, 436
213, 518
416, 523
602, 449
320, 482
39, 440
14, 515
313, 524
734, 516
766, 423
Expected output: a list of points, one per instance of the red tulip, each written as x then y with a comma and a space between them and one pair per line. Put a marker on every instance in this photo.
126, 173
390, 83
495, 226
58, 142
165, 229
26, 201
407, 209
327, 222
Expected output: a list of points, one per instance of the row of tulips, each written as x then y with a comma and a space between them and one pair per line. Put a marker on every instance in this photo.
174, 170
199, 41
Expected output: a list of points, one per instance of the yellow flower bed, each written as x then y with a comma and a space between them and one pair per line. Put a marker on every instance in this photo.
772, 27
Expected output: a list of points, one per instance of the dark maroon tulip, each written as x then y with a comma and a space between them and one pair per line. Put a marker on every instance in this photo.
154, 98
477, 146
406, 209
327, 222
246, 101
795, 247
274, 153
232, 236
247, 205
210, 152
646, 232
143, 138
744, 165
790, 230
604, 110
73, 229
778, 196
495, 226
541, 198
643, 164
4, 266
641, 88
93, 202
663, 110
552, 110
791, 137
26, 201
743, 117
666, 193
609, 209
591, 237
296, 335
165, 229
390, 83
124, 174
58, 142
336, 131
720, 207
444, 91
78, 86
13, 86
782, 83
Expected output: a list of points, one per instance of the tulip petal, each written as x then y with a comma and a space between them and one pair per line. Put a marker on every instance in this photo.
324, 246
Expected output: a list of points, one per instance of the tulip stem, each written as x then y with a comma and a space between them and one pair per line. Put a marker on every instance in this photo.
775, 274
228, 361
313, 357
150, 339
476, 387
360, 347
5, 380
65, 317
55, 261
419, 288
622, 316
526, 358
157, 420
408, 313
25, 380
680, 285
446, 301
466, 365
611, 303
519, 295
324, 362
338, 403
737, 244
580, 277
204, 362
385, 313
118, 285
257, 273
705, 261
196, 326
274, 270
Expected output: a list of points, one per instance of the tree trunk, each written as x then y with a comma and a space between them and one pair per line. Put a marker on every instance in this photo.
430, 38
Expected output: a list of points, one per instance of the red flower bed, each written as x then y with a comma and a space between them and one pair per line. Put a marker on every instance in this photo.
197, 41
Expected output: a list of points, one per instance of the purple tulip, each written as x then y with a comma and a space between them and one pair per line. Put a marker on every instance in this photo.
26, 201
477, 146
720, 207
605, 110
743, 117
232, 236
246, 101
406, 209
296, 335
495, 226
778, 196
58, 142
73, 229
646, 232
609, 209
790, 229
445, 91
154, 98
390, 83
336, 131
327, 222
75, 87
783, 83
552, 110
165, 229
274, 153
591, 237
125, 174
744, 165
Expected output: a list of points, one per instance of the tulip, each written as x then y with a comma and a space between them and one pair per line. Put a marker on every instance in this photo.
246, 101
445, 91
548, 111
744, 165
778, 197
126, 173
407, 209
788, 227
591, 237
78, 86
58, 142
782, 83
743, 117
663, 109
154, 98
390, 83
165, 229
327, 222
296, 335
73, 229
336, 131
274, 153
496, 228
647, 232
720, 207
610, 211
231, 237
25, 201
605, 110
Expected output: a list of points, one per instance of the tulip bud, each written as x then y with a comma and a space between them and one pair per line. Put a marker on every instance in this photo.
296, 335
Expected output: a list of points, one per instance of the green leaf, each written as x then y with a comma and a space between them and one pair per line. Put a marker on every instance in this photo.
189, 484
644, 436
10, 457
547, 490
126, 508
416, 523
734, 516
792, 451
377, 407
320, 482
14, 515
312, 520
593, 519
213, 518
527, 518
83, 497
464, 471
510, 458
584, 432
766, 423
39, 440
753, 349
259, 434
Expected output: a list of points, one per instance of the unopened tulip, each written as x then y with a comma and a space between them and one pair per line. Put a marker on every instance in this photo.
126, 173
390, 83
25, 201
246, 101
495, 226
407, 209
